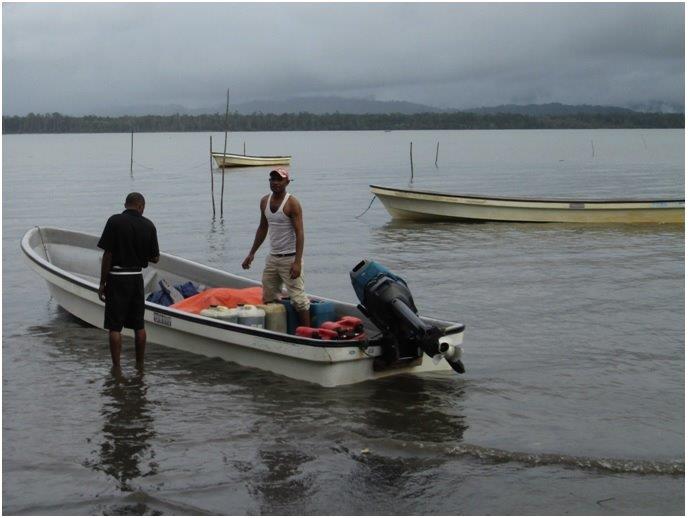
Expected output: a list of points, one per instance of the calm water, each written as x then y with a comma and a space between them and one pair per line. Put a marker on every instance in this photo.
573, 402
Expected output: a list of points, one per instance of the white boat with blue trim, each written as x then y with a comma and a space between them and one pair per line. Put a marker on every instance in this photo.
398, 341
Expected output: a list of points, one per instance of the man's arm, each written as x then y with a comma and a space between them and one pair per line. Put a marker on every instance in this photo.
260, 235
296, 220
106, 262
155, 254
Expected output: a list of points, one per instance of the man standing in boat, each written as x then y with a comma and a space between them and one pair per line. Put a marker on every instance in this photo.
281, 218
129, 242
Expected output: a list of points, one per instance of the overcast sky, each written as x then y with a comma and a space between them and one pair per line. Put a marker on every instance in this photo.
84, 58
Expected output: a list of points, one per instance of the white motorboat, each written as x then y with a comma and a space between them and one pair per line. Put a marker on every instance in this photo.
233, 160
429, 205
70, 263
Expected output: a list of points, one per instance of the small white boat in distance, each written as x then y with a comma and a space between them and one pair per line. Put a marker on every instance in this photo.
232, 160
429, 205
70, 263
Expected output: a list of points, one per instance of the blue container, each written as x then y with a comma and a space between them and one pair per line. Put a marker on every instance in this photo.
292, 319
322, 311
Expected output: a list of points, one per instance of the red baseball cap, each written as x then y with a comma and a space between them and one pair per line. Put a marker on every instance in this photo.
283, 173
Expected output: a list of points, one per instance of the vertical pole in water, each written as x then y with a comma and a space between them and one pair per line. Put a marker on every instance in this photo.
411, 162
131, 152
211, 171
244, 149
225, 145
592, 144
437, 155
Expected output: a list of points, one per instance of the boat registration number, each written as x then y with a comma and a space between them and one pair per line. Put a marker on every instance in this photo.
164, 320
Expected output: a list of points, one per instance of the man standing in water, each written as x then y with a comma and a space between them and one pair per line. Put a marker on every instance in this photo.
129, 242
281, 218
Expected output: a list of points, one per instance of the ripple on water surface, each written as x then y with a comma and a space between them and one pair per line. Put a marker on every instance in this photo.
573, 399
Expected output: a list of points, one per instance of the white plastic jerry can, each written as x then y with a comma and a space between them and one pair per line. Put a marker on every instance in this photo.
252, 316
221, 313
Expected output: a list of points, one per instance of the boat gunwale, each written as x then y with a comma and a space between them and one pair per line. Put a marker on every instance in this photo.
30, 253
530, 200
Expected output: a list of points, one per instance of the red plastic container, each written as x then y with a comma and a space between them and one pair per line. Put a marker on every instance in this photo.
353, 324
348, 328
343, 333
316, 332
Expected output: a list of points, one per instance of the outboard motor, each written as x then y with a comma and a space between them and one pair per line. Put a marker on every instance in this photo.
386, 300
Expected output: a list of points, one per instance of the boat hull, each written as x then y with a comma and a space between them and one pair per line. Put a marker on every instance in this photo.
294, 357
231, 160
423, 205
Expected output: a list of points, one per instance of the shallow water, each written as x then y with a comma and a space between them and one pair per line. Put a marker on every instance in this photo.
573, 400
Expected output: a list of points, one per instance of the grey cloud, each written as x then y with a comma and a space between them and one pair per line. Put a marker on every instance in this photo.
76, 58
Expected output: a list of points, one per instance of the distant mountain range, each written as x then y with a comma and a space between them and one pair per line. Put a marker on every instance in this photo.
316, 105
322, 105
538, 110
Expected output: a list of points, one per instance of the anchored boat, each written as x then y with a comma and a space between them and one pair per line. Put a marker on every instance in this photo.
232, 160
396, 339
429, 205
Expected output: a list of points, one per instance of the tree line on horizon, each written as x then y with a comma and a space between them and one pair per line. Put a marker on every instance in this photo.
58, 123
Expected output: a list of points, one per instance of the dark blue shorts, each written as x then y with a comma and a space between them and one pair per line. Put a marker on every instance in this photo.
124, 302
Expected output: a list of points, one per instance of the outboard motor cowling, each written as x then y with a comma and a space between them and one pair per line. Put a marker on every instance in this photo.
386, 300
367, 271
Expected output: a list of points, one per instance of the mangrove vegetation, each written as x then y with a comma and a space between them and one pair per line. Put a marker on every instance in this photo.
58, 123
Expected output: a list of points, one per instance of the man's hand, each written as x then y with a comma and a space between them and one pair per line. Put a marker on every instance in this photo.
295, 270
102, 291
247, 262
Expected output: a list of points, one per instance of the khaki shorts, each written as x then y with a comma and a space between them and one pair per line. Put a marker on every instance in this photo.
276, 275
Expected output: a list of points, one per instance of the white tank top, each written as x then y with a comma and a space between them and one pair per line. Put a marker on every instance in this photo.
281, 231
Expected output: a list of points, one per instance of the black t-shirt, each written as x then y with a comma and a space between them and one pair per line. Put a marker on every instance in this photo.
131, 238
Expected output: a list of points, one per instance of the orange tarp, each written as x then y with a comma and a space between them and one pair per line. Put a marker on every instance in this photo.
227, 297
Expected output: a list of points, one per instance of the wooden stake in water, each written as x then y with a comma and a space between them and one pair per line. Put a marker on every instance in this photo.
211, 171
411, 162
131, 152
225, 146
437, 155
592, 144
244, 149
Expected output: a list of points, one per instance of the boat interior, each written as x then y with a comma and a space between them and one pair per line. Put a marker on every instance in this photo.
78, 254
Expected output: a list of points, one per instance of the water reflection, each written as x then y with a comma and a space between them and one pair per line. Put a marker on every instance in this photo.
282, 488
408, 423
125, 453
69, 339
283, 483
395, 229
217, 239
415, 419
427, 236
492, 244
417, 408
